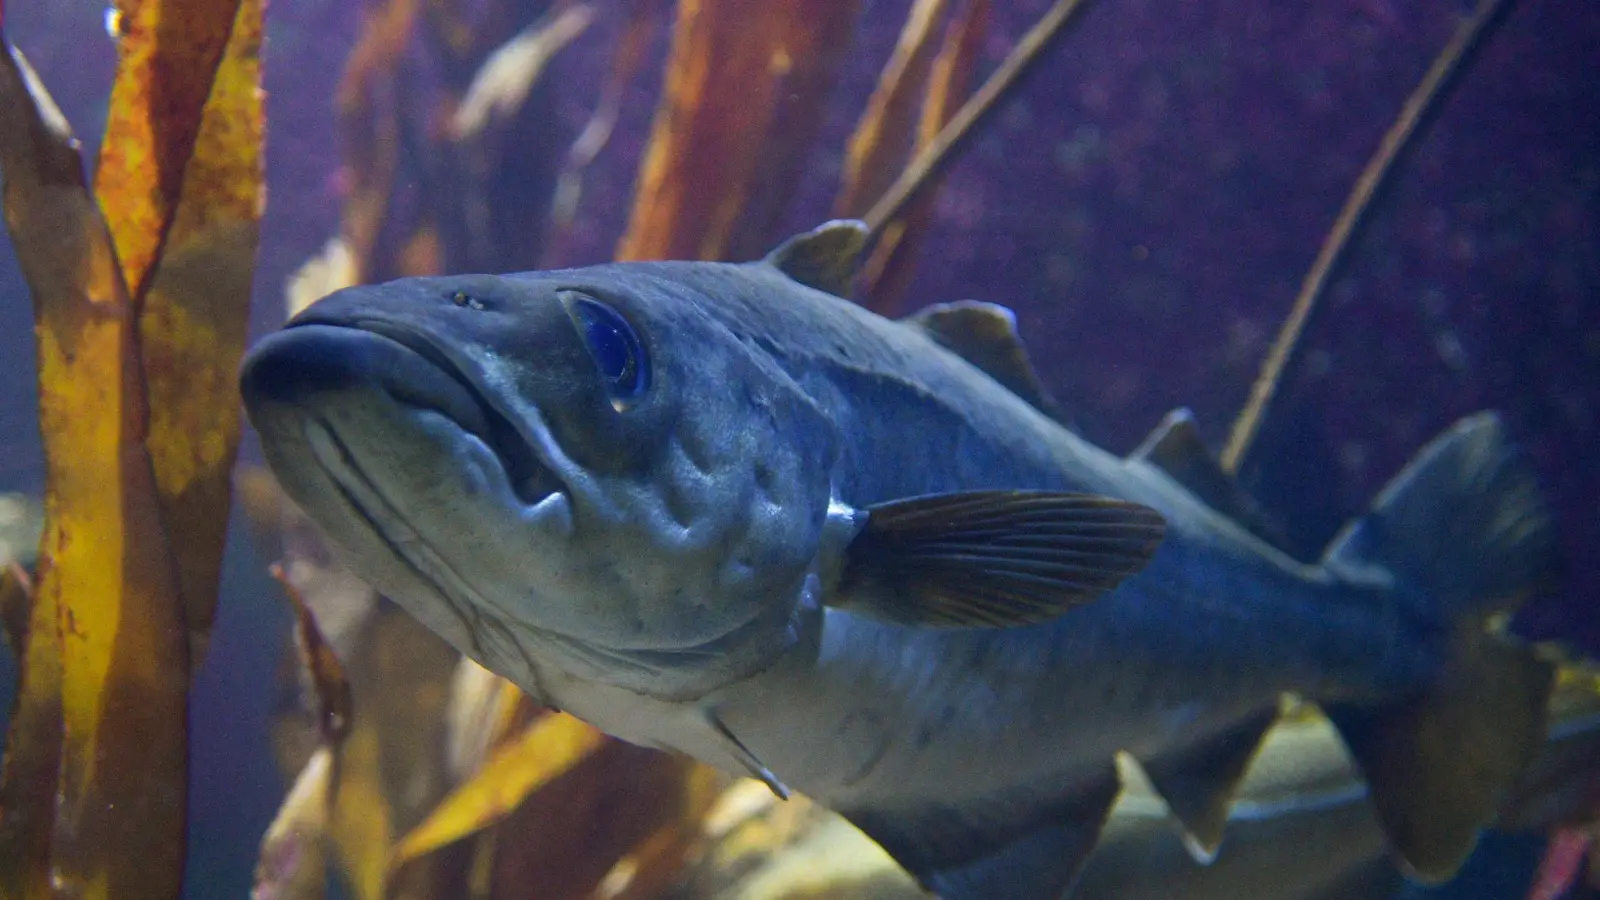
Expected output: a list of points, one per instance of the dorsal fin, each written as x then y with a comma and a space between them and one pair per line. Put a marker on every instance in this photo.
1176, 448
825, 258
985, 334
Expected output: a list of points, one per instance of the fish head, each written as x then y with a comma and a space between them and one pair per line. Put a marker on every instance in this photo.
583, 469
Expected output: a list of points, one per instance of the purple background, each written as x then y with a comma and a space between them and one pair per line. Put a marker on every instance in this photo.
1148, 205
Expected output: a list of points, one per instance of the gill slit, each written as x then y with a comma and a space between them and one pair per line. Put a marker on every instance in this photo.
744, 755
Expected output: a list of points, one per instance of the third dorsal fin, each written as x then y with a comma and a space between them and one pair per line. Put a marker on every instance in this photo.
985, 335
1175, 447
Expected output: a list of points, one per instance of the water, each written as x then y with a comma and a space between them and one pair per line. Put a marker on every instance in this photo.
1147, 204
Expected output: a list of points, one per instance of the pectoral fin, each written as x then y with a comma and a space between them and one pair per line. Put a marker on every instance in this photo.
993, 559
997, 851
1198, 783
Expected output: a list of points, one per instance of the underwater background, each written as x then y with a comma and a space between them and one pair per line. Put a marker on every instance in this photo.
1147, 203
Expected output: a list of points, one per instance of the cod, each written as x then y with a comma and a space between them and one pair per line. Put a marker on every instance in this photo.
719, 509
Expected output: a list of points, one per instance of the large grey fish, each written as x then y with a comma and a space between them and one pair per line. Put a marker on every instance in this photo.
718, 508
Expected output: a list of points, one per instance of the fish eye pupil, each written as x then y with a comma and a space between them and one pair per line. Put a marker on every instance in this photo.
615, 347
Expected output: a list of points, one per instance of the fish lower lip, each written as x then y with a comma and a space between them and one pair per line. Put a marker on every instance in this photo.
530, 479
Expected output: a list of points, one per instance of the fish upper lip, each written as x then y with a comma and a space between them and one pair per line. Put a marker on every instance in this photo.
531, 477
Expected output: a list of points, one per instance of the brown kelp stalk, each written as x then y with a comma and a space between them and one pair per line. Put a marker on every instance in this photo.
882, 140
941, 151
887, 272
292, 864
744, 90
1469, 35
92, 800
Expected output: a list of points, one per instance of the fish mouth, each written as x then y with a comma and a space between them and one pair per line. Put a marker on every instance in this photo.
471, 407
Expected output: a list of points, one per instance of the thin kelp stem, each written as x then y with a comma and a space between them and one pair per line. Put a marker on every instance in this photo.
1468, 37
978, 107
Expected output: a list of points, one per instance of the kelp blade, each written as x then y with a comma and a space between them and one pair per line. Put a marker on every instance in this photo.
882, 140
733, 67
180, 178
887, 273
107, 648
293, 859
548, 749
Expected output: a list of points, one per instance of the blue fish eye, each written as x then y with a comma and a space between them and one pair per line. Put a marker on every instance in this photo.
615, 348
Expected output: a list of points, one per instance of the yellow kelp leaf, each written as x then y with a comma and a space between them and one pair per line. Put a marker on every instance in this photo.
887, 273
343, 609
483, 712
168, 52
195, 303
362, 825
106, 590
321, 275
734, 67
293, 863
877, 150
546, 750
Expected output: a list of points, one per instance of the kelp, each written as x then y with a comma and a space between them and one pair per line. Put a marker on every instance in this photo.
181, 166
389, 760
369, 128
546, 750
745, 83
90, 802
453, 169
292, 864
627, 57
894, 195
887, 272
95, 781
1469, 35
920, 175
878, 148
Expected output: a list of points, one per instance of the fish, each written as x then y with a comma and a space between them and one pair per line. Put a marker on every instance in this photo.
1300, 791
721, 510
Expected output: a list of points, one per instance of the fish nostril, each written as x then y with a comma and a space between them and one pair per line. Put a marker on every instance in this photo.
467, 301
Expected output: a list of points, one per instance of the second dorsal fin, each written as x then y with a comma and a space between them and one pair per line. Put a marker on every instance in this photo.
825, 258
985, 335
1175, 447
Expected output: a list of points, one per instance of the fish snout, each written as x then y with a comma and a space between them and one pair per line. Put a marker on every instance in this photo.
303, 366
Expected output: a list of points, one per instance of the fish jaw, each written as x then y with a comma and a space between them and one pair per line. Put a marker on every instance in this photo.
392, 457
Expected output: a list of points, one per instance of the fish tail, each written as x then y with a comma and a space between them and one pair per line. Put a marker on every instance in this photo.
1462, 537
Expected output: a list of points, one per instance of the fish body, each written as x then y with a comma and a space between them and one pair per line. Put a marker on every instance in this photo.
647, 493
1300, 792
